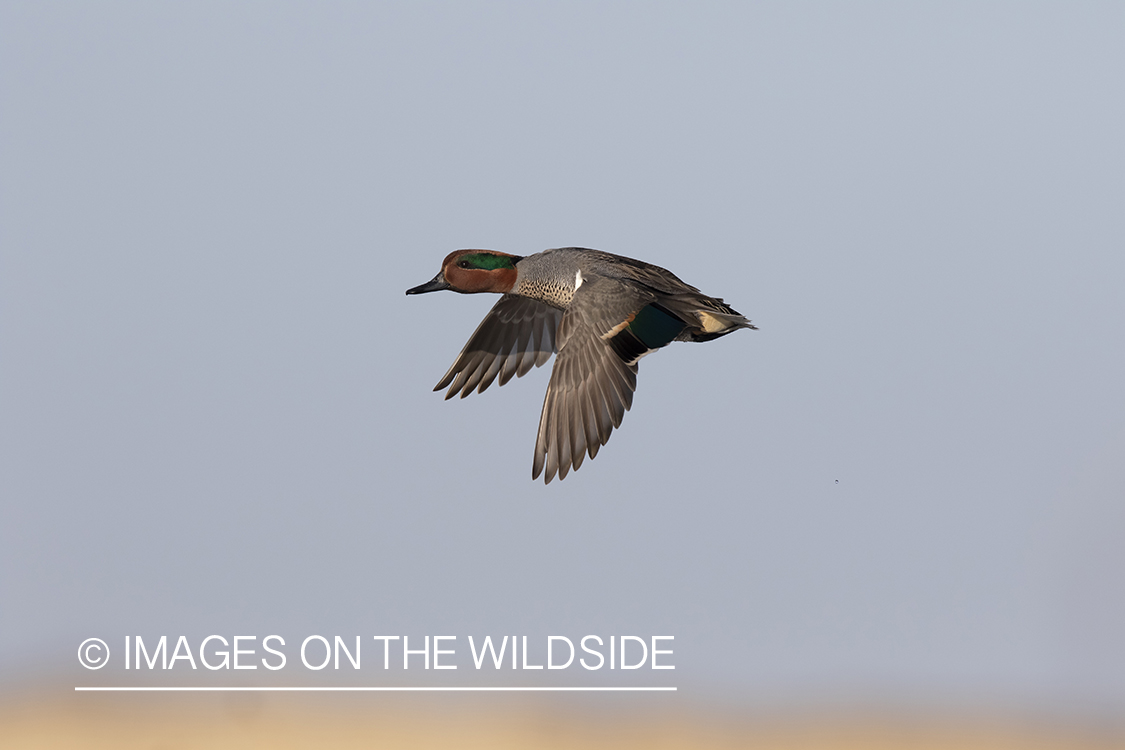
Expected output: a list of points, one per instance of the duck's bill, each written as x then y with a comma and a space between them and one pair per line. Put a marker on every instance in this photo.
436, 284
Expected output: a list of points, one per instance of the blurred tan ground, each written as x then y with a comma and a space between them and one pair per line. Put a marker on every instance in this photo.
174, 722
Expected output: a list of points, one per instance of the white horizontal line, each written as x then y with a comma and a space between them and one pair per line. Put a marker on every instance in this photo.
369, 689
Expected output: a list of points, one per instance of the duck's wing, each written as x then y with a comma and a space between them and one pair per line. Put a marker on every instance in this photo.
517, 334
591, 385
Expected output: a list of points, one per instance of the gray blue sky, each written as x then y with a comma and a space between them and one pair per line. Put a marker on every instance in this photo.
215, 401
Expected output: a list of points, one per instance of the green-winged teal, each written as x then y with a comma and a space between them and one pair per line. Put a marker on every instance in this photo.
600, 312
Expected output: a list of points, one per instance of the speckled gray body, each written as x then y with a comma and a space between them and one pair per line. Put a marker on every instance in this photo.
550, 276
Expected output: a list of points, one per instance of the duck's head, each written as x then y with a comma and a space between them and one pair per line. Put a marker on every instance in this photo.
472, 271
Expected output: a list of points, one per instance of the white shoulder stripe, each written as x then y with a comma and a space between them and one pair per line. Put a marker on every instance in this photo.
577, 280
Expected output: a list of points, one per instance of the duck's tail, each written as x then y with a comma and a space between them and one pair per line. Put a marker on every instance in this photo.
707, 318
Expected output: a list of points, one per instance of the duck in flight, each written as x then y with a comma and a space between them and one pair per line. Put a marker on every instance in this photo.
600, 312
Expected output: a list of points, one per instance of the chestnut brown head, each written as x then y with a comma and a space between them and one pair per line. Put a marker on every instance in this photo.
473, 271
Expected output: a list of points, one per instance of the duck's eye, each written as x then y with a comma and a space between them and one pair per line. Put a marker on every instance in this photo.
463, 264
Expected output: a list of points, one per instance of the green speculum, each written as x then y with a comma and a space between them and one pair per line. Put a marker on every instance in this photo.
656, 327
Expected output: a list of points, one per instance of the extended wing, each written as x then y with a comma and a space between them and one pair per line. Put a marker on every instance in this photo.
591, 385
517, 334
